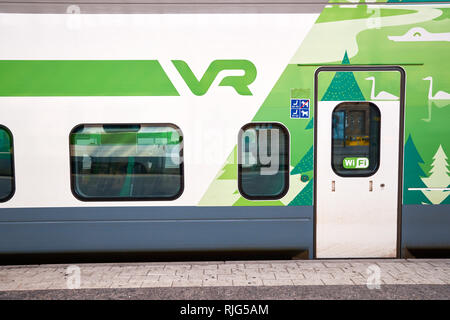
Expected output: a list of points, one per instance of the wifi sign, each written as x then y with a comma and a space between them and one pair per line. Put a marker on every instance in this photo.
355, 163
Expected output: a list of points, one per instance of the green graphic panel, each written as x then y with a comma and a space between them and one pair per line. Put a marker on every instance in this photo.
84, 78
295, 82
337, 13
413, 37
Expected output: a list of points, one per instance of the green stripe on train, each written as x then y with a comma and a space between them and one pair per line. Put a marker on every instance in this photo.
125, 138
24, 78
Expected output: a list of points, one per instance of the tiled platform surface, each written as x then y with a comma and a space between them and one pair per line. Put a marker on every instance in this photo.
229, 273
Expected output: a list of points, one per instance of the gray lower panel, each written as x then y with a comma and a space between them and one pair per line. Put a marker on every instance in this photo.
38, 230
426, 226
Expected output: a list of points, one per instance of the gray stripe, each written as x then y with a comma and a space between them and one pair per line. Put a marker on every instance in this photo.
154, 213
173, 6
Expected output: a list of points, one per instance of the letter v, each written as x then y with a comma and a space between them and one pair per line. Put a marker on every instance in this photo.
198, 88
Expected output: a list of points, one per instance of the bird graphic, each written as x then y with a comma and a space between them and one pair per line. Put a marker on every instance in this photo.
440, 99
440, 95
383, 95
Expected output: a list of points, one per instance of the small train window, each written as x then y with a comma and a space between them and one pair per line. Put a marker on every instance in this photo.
263, 161
126, 162
355, 139
7, 186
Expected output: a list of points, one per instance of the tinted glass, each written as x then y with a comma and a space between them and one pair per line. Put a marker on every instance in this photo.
263, 161
6, 165
126, 162
356, 139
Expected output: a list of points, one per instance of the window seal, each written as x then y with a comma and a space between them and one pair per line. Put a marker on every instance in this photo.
121, 199
286, 158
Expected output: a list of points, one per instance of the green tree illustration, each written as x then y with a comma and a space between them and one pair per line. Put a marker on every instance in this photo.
305, 197
438, 177
343, 86
447, 199
229, 170
310, 124
305, 164
412, 175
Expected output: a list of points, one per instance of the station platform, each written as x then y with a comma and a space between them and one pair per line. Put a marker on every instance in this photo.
279, 279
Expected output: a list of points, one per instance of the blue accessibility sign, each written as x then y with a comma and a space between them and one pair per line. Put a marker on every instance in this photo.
299, 108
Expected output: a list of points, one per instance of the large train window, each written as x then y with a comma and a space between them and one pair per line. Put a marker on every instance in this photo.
7, 186
263, 161
356, 139
126, 162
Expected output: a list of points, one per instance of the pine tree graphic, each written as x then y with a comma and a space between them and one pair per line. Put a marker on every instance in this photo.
310, 124
305, 197
343, 86
412, 175
305, 164
438, 177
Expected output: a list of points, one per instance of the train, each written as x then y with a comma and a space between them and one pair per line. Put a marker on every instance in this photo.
319, 128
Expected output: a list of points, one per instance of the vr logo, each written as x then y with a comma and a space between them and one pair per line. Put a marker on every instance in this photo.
239, 83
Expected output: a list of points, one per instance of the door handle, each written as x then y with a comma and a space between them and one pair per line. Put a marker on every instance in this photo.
333, 186
370, 186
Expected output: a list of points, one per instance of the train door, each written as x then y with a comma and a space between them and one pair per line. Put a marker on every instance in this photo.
358, 161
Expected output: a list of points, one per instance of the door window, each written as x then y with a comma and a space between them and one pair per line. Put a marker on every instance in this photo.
355, 139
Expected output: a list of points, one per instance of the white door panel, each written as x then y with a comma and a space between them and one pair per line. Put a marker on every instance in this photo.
354, 221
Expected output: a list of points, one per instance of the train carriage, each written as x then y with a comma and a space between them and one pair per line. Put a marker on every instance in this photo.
172, 126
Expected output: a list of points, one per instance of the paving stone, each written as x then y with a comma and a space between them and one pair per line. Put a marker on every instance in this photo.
358, 280
318, 275
295, 270
187, 283
285, 282
218, 283
336, 264
262, 276
287, 275
231, 265
231, 277
173, 278
203, 277
156, 284
309, 265
308, 282
338, 281
255, 282
177, 267
218, 271
205, 267
398, 281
